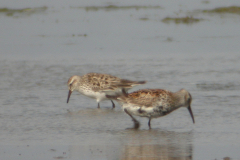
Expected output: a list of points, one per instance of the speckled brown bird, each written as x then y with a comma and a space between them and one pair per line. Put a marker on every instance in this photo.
153, 103
97, 85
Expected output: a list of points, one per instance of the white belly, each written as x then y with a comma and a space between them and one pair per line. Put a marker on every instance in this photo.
99, 96
134, 110
145, 111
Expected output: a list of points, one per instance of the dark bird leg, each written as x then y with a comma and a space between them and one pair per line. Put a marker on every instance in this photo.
136, 123
149, 123
124, 92
98, 105
113, 105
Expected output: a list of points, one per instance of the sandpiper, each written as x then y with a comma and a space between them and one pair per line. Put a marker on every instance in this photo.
153, 103
97, 86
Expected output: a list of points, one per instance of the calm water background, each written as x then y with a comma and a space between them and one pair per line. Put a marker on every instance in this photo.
41, 49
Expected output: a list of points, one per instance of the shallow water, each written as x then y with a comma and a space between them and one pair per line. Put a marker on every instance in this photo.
41, 50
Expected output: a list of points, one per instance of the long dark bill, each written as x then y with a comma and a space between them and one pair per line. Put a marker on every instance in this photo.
190, 111
69, 94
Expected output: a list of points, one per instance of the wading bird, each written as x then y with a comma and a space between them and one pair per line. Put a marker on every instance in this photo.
153, 103
97, 86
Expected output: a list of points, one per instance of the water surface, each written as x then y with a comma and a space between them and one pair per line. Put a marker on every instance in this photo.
41, 50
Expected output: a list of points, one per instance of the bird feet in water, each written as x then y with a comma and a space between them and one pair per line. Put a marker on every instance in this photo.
113, 105
136, 124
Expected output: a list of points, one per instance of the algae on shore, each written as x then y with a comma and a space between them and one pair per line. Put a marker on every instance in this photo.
231, 9
12, 12
182, 20
114, 7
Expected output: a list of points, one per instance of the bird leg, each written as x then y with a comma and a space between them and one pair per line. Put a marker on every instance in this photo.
98, 105
124, 92
136, 123
149, 123
113, 105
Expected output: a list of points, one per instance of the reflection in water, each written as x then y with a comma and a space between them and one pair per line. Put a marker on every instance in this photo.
136, 144
155, 144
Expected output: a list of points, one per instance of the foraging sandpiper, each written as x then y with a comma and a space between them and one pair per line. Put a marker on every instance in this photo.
153, 103
97, 86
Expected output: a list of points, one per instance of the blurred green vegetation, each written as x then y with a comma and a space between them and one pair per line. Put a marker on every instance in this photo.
25, 11
231, 9
183, 20
114, 7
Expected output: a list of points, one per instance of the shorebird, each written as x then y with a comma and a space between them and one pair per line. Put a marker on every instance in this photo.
153, 103
97, 85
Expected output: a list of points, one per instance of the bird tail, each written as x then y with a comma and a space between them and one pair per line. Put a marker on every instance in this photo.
141, 82
129, 84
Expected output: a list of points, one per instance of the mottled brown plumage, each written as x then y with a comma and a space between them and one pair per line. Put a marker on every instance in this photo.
153, 103
96, 85
147, 97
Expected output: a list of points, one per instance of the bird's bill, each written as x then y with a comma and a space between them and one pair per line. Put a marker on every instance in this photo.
190, 111
69, 94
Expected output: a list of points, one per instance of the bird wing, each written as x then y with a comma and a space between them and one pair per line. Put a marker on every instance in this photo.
105, 82
102, 82
145, 97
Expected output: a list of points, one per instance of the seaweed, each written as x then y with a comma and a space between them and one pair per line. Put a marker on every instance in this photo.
12, 12
114, 7
231, 9
183, 20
